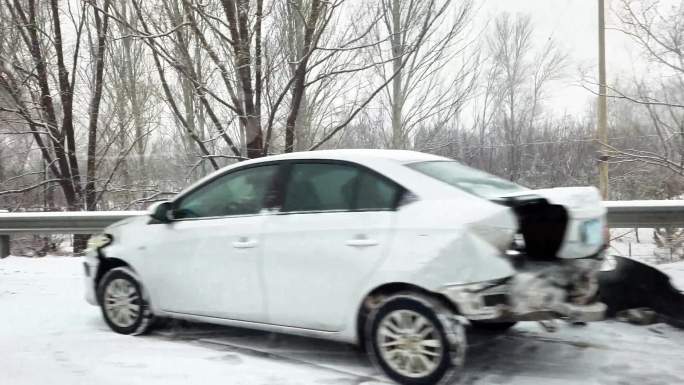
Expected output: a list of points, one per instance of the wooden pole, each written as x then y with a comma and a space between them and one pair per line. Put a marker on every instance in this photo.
602, 126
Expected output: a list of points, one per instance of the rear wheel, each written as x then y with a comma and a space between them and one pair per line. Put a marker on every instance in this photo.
413, 341
123, 302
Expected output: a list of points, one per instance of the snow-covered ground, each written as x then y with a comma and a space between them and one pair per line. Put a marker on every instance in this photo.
676, 273
626, 243
49, 335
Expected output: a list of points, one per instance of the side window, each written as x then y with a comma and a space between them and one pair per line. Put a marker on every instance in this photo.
320, 187
375, 192
326, 187
238, 193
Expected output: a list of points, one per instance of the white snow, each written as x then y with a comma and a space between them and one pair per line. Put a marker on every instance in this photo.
49, 335
676, 273
624, 243
643, 248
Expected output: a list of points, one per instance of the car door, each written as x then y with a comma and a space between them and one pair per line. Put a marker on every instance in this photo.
330, 233
206, 261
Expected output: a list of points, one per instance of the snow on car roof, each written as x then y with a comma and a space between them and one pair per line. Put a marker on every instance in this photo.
402, 156
353, 155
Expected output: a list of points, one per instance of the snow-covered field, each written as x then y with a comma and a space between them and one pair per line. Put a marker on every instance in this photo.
642, 247
49, 335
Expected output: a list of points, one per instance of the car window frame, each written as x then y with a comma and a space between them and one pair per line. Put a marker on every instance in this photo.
272, 189
284, 179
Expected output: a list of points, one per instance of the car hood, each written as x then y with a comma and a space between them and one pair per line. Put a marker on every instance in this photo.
134, 219
122, 229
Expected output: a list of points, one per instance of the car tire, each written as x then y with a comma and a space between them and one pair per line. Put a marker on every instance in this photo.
492, 327
414, 340
123, 302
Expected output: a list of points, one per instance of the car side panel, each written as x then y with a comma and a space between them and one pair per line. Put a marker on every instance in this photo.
314, 262
430, 248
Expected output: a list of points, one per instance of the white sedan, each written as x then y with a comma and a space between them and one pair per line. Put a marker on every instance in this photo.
396, 251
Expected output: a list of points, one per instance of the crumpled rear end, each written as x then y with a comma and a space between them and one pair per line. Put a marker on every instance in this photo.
556, 251
568, 290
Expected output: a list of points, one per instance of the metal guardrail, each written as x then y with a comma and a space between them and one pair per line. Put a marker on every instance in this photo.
655, 213
652, 213
64, 222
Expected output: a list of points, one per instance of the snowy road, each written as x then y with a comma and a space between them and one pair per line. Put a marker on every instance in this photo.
49, 335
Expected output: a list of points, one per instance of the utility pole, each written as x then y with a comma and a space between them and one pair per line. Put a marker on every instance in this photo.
602, 134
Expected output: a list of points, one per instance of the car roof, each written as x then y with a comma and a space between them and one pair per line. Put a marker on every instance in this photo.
367, 157
400, 156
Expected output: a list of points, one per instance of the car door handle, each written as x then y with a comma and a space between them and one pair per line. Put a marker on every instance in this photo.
245, 243
361, 242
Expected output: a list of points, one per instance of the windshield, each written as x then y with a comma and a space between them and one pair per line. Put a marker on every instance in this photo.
467, 179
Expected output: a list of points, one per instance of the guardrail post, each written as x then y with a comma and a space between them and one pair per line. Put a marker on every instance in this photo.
4, 245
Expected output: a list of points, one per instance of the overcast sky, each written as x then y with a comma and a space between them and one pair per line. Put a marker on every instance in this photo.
574, 25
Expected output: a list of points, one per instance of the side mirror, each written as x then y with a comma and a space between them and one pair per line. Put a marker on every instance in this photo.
161, 211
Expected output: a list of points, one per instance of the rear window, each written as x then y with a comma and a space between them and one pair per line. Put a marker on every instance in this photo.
467, 179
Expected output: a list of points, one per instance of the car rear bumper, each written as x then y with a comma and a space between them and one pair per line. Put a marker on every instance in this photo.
498, 307
557, 290
481, 301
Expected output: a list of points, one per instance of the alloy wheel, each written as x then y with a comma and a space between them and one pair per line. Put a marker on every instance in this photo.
409, 343
122, 302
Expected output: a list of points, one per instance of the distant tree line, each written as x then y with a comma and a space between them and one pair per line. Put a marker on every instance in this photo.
115, 104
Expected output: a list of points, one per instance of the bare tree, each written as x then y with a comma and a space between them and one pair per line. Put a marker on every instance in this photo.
230, 37
658, 30
132, 99
421, 46
41, 80
522, 77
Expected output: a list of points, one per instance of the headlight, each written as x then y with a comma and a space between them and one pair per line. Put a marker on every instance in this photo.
99, 241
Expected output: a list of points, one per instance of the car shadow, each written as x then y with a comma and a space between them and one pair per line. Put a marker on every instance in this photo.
492, 358
606, 353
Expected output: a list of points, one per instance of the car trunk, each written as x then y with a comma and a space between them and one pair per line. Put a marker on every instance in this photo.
541, 226
547, 279
556, 223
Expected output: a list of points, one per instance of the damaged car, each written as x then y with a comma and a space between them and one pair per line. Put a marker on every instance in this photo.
395, 251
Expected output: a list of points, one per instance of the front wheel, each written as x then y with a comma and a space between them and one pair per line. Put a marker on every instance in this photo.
413, 341
123, 302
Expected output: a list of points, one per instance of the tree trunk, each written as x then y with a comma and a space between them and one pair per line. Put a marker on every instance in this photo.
300, 74
237, 16
398, 140
94, 110
131, 82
